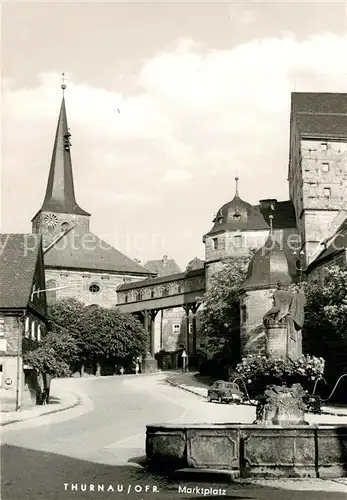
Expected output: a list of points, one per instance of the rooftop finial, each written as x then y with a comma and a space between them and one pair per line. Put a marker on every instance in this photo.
237, 185
63, 78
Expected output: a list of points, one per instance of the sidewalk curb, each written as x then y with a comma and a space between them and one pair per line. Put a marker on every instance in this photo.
173, 384
170, 382
77, 402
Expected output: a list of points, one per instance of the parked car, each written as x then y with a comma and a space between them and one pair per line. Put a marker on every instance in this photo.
225, 392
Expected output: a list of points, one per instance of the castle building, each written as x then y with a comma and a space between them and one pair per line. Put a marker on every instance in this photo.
77, 262
241, 228
317, 172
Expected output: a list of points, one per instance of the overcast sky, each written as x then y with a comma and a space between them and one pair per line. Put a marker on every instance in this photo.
203, 91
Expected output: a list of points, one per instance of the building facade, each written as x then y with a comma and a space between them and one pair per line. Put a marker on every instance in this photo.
23, 319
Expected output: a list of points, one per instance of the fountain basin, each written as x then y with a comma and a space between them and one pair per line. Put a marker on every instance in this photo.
250, 450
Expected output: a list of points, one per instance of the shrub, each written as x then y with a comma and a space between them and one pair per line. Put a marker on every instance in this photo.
259, 372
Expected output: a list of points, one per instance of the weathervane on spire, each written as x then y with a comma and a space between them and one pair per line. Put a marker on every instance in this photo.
63, 78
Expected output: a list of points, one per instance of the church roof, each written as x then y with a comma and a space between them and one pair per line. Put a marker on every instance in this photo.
269, 266
321, 115
80, 249
18, 259
163, 267
60, 191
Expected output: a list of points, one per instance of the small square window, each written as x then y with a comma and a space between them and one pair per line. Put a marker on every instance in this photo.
176, 328
327, 192
324, 146
325, 167
215, 243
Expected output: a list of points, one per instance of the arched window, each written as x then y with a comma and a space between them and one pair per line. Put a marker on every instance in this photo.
51, 294
33, 330
126, 298
165, 292
38, 333
152, 294
139, 296
27, 327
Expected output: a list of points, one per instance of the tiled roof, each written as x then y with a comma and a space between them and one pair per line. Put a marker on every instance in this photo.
163, 267
322, 126
284, 218
80, 249
319, 102
320, 114
336, 245
18, 259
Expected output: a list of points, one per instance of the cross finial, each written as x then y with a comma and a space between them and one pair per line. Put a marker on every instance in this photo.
63, 78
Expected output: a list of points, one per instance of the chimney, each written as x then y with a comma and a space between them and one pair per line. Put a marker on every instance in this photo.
164, 260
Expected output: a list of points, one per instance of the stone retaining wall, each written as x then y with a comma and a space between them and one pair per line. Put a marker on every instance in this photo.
250, 450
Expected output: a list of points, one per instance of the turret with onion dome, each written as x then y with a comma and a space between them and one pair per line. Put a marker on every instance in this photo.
233, 215
268, 267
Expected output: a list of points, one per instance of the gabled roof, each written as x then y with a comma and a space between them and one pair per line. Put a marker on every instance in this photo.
284, 218
18, 259
336, 245
320, 115
163, 267
80, 249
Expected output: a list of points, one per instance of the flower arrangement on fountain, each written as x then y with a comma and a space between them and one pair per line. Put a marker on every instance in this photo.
260, 372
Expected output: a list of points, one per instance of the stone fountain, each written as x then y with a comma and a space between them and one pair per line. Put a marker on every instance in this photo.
279, 443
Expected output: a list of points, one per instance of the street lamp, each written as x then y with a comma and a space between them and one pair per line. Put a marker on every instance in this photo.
301, 269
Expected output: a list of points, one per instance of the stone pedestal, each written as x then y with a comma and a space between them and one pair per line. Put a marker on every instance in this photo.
276, 341
149, 364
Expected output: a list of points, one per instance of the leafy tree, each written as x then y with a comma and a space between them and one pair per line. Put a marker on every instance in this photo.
220, 311
101, 335
45, 361
220, 315
325, 327
126, 339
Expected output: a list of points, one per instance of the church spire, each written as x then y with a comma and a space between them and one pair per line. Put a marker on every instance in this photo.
60, 192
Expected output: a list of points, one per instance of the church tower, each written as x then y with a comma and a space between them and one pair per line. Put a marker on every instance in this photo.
59, 210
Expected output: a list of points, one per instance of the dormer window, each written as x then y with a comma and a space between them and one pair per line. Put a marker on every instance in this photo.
236, 216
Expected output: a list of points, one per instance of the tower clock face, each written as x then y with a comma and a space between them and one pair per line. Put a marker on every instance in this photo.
51, 221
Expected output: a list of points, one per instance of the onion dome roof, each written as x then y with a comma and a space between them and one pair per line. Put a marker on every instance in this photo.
268, 267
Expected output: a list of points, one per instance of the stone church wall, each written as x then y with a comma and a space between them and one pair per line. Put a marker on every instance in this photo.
78, 284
